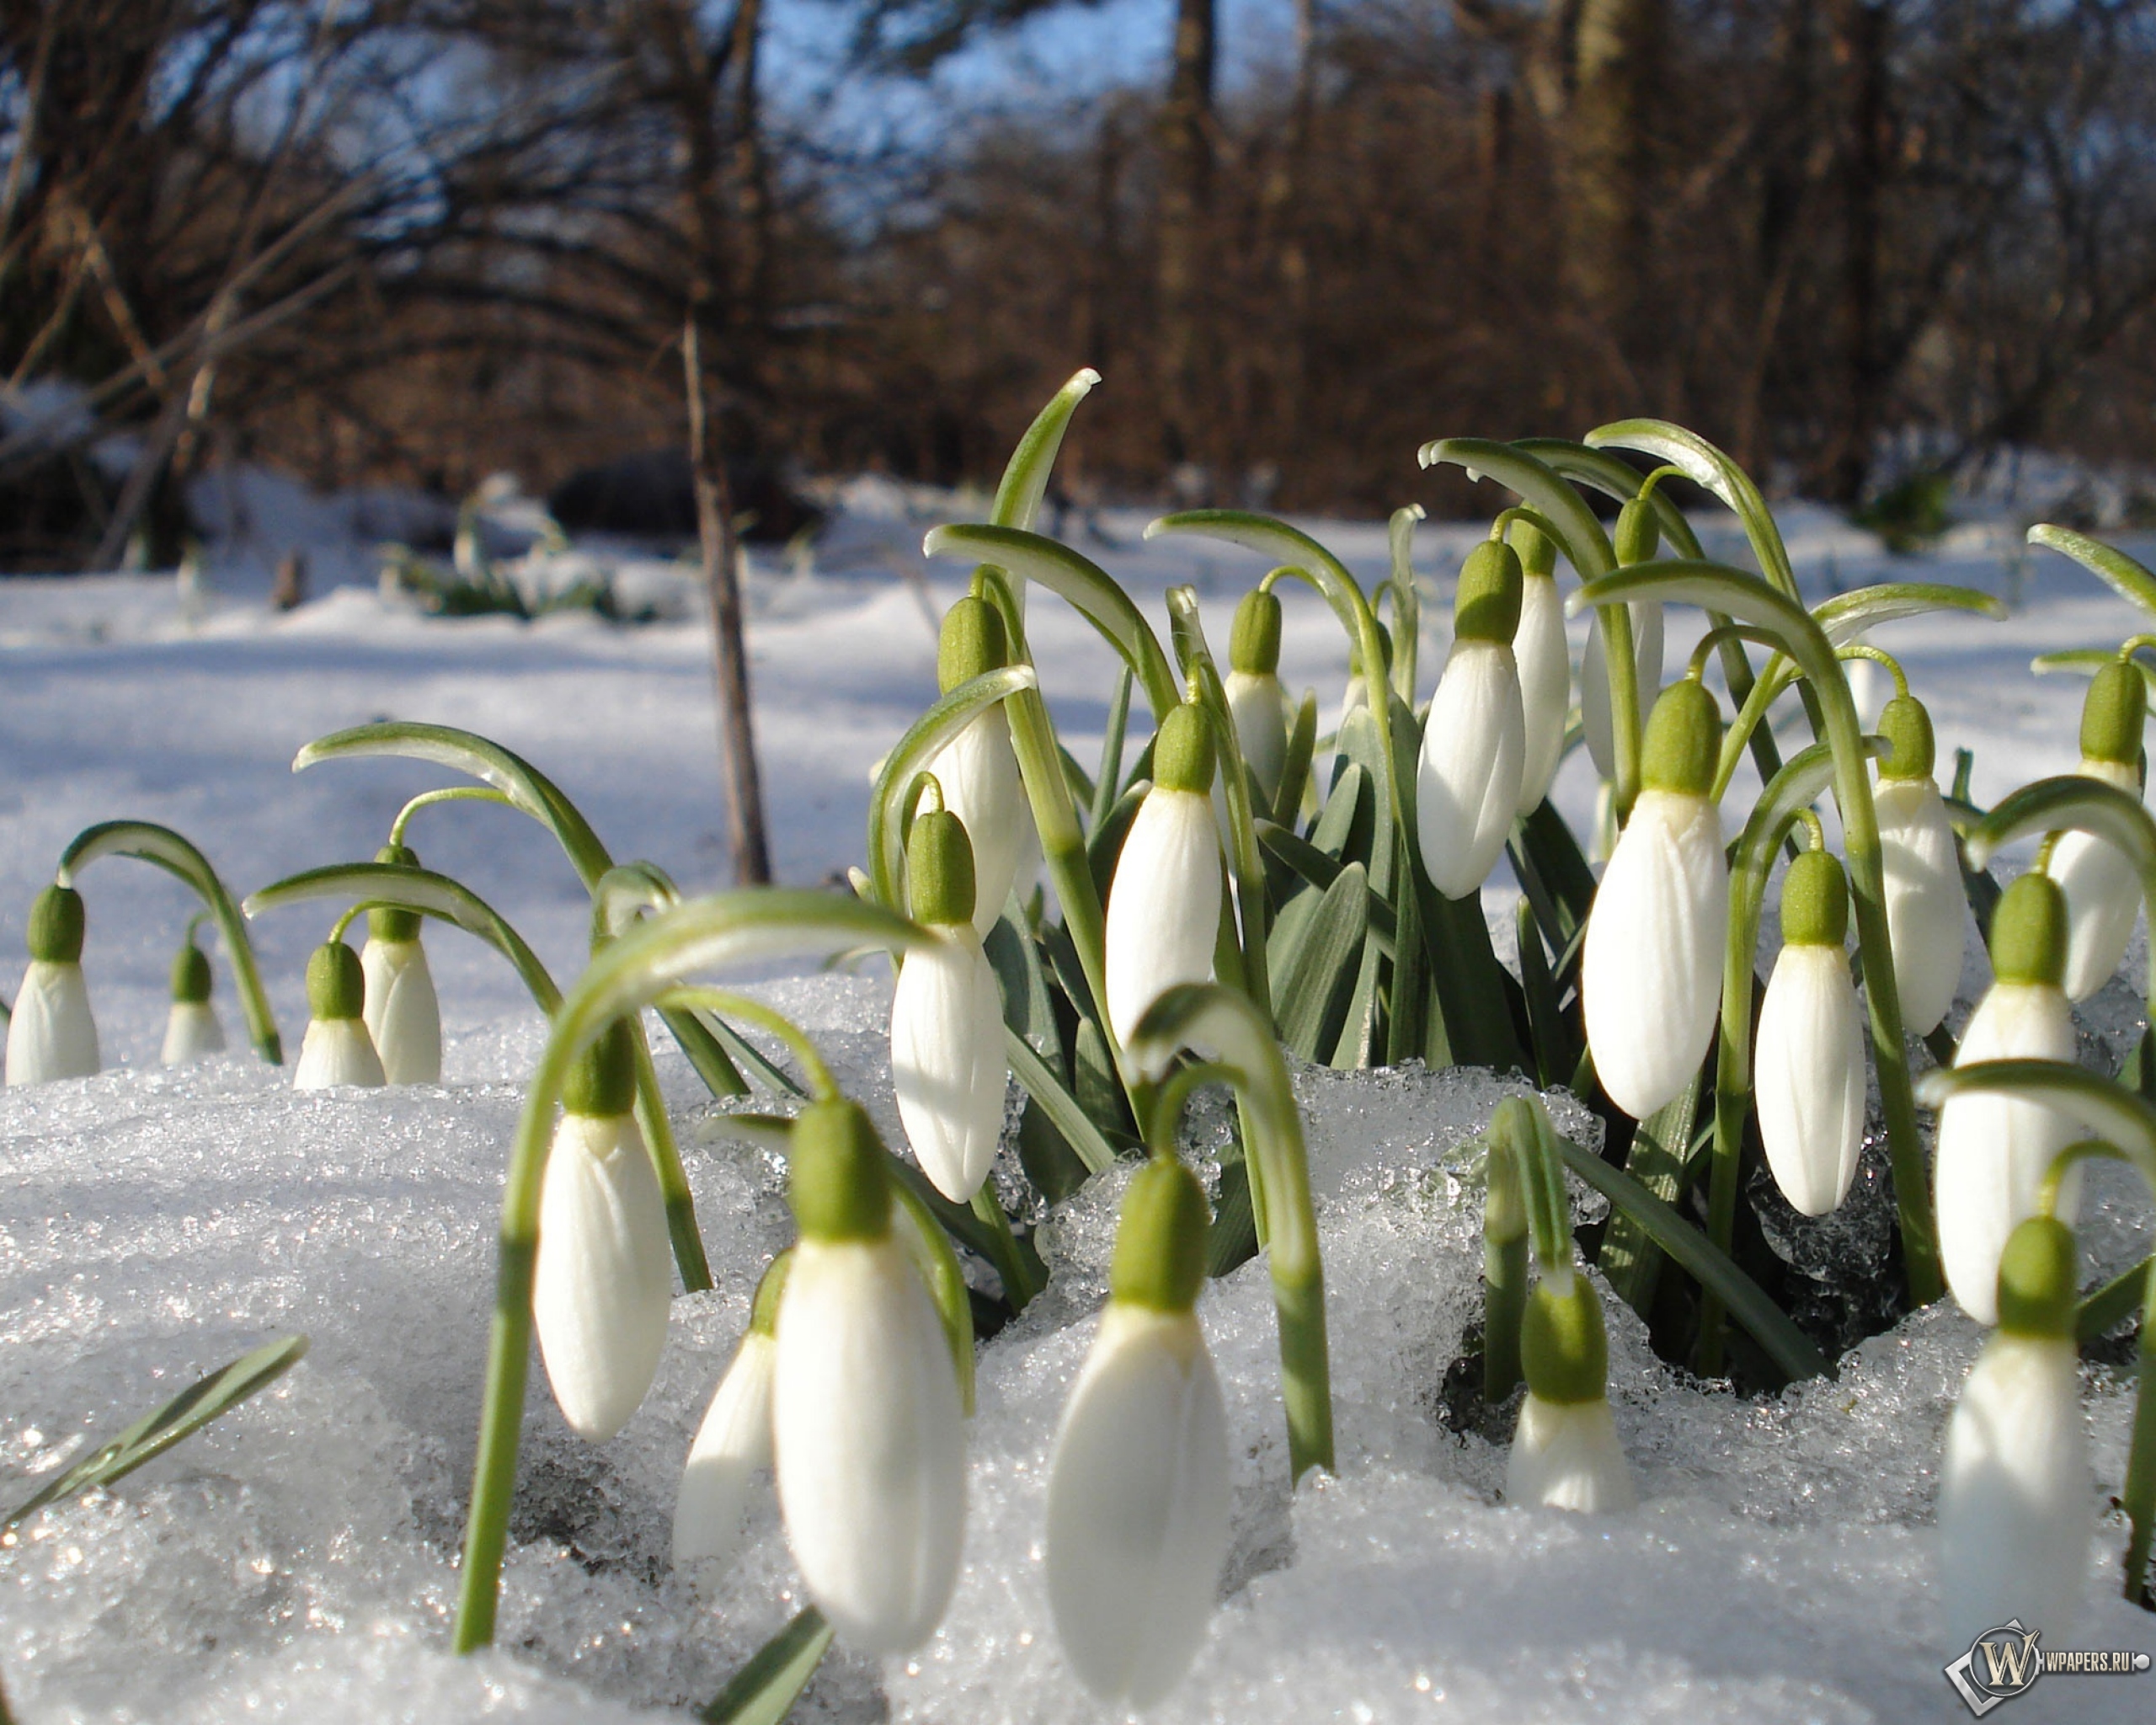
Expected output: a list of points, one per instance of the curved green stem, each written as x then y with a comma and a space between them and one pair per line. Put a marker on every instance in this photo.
1878, 655
448, 794
822, 1086
1747, 598
1716, 637
1218, 1018
163, 848
646, 962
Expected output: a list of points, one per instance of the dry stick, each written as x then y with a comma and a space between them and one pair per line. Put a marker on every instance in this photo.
18, 164
715, 532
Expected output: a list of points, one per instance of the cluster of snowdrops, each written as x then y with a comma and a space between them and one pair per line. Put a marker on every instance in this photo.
1206, 913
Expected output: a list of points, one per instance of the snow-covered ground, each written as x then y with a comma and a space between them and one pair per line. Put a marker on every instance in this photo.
297, 1560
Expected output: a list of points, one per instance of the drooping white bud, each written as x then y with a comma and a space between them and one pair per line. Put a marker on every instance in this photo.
1164, 905
1566, 1453
1808, 1065
947, 1062
2103, 894
337, 1049
1927, 909
1258, 703
732, 1447
1545, 685
192, 1033
51, 1035
1594, 681
402, 1014
1475, 741
976, 769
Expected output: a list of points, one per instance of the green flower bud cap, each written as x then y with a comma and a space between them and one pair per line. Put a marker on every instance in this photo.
1683, 744
55, 930
389, 923
1638, 534
336, 987
2028, 932
602, 1080
972, 644
191, 976
1911, 751
763, 1310
1815, 901
2112, 716
940, 869
2038, 1274
838, 1184
1254, 641
1486, 607
1182, 753
1160, 1242
1562, 1344
1538, 552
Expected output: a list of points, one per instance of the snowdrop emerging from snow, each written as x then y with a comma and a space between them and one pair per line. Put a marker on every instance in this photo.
976, 769
1651, 974
192, 1031
1565, 1453
402, 1014
51, 1035
1164, 907
734, 1443
1993, 1150
867, 1435
604, 1277
1257, 700
946, 1018
1926, 907
1475, 741
1808, 1069
2103, 894
2014, 1486
1545, 664
1138, 1496
337, 1049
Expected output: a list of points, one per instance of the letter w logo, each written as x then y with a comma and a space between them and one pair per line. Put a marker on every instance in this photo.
2011, 1664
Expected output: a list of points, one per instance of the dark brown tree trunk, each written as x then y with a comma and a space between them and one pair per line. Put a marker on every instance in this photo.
1608, 162
1185, 203
1859, 50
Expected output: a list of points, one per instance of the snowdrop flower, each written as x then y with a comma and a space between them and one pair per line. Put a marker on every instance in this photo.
1545, 663
1993, 1150
337, 1049
191, 1027
1474, 740
402, 1015
1138, 1494
1808, 1068
976, 769
1565, 1453
946, 1018
868, 1434
2015, 1485
1927, 909
1650, 977
734, 1443
1635, 538
1164, 907
604, 1276
51, 1035
1257, 700
2103, 894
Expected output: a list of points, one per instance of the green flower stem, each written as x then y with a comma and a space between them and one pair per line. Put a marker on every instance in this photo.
448, 794
1019, 1284
1878, 655
1747, 598
1506, 1226
1220, 1019
1718, 636
1789, 795
2128, 1123
1407, 603
163, 848
644, 964
931, 1248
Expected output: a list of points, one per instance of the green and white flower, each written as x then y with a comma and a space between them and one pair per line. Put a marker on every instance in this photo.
977, 768
192, 1031
1164, 906
336, 1049
1544, 664
734, 1443
1258, 701
2103, 894
1566, 1454
402, 1014
1927, 909
1808, 1066
51, 1033
1475, 741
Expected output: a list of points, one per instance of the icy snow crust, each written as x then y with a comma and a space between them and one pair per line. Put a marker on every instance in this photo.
297, 1560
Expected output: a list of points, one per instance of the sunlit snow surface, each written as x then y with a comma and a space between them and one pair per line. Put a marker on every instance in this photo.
297, 1560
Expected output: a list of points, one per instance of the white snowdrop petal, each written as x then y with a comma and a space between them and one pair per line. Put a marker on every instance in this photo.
2015, 1506
732, 1447
1258, 704
192, 1032
401, 1013
51, 1035
1467, 780
1594, 681
1138, 1505
2103, 900
1164, 906
1546, 687
605, 1274
1651, 979
1993, 1150
868, 1443
947, 1062
1808, 1072
337, 1051
978, 774
1927, 909
1565, 1455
